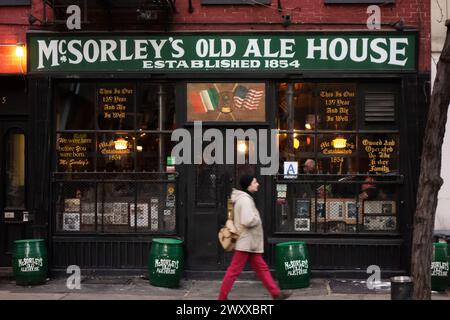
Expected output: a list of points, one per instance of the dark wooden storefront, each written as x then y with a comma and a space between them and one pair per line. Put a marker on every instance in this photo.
202, 190
15, 206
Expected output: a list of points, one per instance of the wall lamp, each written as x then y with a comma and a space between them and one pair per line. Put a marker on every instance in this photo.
20, 48
286, 20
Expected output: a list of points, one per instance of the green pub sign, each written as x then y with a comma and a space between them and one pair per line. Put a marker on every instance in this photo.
169, 53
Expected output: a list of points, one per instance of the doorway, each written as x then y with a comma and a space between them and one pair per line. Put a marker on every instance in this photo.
209, 187
13, 195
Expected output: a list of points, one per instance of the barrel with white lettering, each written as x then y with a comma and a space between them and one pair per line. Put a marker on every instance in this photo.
292, 265
165, 262
439, 267
448, 255
30, 263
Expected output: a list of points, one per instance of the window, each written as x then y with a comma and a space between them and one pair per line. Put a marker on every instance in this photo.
345, 140
112, 145
15, 170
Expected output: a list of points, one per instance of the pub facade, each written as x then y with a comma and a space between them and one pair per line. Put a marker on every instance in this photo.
141, 134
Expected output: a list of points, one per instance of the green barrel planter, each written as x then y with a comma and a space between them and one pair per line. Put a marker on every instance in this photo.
30, 262
165, 262
448, 256
439, 267
292, 265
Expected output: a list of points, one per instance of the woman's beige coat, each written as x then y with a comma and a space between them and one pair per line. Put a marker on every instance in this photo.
247, 222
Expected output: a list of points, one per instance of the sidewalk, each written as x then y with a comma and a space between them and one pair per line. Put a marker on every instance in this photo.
137, 288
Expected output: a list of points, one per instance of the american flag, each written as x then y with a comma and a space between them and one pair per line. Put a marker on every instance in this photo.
247, 98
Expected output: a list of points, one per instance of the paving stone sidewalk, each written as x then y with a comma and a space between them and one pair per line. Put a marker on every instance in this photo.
138, 288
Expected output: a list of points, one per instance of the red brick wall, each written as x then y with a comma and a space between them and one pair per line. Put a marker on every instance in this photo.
13, 27
306, 15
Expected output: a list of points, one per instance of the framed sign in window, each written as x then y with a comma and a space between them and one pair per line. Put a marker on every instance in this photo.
226, 102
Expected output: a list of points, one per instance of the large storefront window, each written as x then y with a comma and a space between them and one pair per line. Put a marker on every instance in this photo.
345, 141
112, 157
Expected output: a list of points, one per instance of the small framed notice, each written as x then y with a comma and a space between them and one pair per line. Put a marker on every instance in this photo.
71, 221
142, 215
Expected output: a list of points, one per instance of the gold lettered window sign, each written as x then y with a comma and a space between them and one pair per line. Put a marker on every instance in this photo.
113, 150
337, 153
337, 106
115, 106
75, 151
337, 145
379, 153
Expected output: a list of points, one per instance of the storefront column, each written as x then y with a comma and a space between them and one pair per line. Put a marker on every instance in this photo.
162, 108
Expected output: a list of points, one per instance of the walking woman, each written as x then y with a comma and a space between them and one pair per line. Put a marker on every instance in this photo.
250, 245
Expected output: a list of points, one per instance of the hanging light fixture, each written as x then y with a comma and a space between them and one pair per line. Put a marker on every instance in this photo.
241, 146
120, 144
339, 143
295, 141
20, 49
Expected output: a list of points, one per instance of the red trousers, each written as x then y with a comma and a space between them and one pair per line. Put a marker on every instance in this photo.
238, 263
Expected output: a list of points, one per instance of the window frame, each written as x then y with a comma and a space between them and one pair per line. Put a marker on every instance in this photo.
96, 179
360, 129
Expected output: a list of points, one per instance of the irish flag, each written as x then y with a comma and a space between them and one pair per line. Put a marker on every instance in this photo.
204, 100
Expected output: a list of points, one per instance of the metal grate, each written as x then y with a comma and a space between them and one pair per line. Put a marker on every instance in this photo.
115, 206
338, 206
379, 107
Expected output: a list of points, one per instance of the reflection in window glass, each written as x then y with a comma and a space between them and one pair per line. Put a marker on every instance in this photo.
156, 108
301, 115
15, 170
295, 147
74, 103
115, 152
152, 151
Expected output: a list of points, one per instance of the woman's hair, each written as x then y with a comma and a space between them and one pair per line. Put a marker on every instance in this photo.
245, 180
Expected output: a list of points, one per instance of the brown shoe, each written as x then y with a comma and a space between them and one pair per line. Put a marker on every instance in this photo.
283, 295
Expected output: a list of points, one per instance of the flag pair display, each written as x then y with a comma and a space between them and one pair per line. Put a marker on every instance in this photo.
207, 100
247, 98
204, 100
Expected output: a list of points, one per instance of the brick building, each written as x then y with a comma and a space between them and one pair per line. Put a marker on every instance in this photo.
103, 102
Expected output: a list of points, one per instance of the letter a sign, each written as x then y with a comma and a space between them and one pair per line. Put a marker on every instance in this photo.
290, 169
